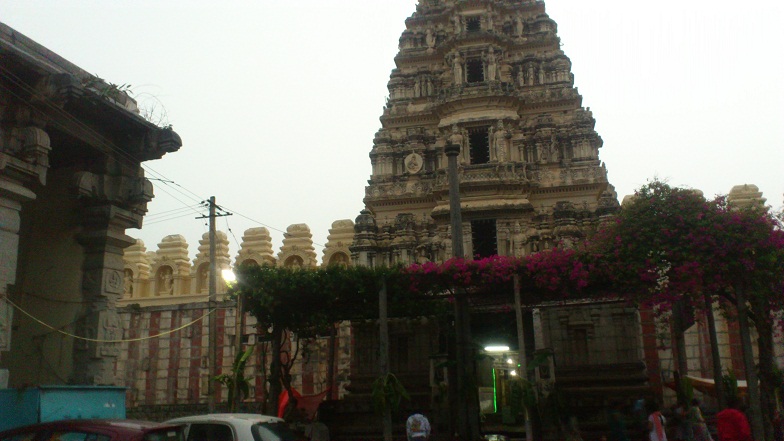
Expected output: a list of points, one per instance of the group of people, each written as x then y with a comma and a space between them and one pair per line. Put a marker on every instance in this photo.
687, 423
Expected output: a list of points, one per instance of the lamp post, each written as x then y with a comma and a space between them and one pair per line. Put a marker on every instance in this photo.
468, 405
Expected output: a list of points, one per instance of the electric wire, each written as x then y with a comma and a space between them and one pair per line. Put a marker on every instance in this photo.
108, 144
96, 137
97, 340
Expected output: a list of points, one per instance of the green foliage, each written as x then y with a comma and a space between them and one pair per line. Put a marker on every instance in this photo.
237, 376
388, 392
730, 383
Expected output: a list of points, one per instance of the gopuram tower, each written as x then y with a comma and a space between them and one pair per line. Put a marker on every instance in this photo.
488, 75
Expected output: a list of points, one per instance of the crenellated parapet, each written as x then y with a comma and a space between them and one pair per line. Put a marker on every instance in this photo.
200, 270
336, 250
256, 248
171, 267
136, 273
297, 250
167, 276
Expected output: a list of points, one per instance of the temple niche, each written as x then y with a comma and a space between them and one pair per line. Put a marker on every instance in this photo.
200, 270
336, 250
171, 267
136, 272
256, 248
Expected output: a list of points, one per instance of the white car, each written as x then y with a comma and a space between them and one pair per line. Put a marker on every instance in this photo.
236, 427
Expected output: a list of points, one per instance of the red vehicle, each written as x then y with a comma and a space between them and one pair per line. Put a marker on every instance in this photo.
95, 430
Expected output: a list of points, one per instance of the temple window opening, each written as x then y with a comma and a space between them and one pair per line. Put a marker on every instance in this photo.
483, 238
473, 24
479, 145
475, 71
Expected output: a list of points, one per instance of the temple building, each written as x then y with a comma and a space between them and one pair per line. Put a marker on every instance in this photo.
490, 77
71, 182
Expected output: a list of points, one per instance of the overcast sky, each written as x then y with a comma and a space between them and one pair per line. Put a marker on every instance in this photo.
277, 101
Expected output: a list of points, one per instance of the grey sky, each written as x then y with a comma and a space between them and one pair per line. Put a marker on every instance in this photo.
277, 101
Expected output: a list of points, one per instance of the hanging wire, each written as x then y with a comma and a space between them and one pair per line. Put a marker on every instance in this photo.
68, 334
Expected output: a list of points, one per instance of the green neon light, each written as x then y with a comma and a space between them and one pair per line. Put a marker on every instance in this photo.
495, 395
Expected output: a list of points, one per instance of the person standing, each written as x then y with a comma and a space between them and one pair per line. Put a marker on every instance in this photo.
699, 429
732, 424
616, 422
656, 423
417, 428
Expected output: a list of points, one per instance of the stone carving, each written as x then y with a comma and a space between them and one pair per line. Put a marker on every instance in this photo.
492, 65
457, 69
114, 282
165, 281
519, 24
413, 163
457, 138
430, 39
128, 283
500, 138
458, 21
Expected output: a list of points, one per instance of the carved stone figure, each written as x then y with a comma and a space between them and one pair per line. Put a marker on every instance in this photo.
457, 69
430, 39
519, 24
492, 66
128, 283
413, 163
458, 19
166, 281
500, 140
457, 138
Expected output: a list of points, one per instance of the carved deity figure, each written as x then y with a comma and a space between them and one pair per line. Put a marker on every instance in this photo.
500, 140
489, 19
457, 69
166, 281
530, 78
492, 66
430, 39
519, 24
128, 284
457, 138
458, 19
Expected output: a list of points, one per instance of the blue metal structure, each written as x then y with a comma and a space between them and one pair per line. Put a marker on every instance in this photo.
20, 407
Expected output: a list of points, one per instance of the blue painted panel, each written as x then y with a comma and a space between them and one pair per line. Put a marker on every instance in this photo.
80, 402
20, 407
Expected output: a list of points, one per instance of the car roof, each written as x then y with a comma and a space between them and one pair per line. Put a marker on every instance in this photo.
246, 418
123, 426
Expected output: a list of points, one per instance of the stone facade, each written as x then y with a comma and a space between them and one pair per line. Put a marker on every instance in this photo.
71, 182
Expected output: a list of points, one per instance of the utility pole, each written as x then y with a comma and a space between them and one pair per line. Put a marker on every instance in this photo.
213, 313
521, 356
212, 304
468, 400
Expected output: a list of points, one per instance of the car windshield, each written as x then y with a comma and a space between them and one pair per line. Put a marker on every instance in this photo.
168, 434
273, 432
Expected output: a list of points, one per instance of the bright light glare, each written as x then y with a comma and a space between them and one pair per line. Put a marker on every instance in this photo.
228, 276
496, 348
513, 373
509, 361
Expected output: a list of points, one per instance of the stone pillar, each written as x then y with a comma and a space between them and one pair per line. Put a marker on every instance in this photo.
11, 197
104, 220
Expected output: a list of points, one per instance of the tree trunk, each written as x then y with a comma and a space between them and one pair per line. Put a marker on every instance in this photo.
715, 356
333, 330
275, 370
767, 363
680, 349
755, 411
383, 355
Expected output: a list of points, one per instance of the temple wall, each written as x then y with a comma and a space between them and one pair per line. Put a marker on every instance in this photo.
164, 356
